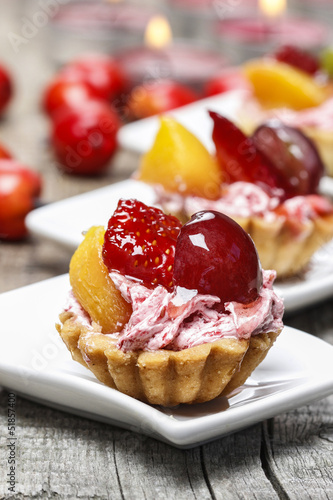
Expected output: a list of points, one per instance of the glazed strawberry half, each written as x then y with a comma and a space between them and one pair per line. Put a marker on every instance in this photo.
140, 243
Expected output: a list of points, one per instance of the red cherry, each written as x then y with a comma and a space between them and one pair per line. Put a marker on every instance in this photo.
298, 58
159, 96
4, 153
6, 88
215, 256
293, 154
240, 160
19, 187
102, 73
85, 138
140, 242
66, 92
228, 79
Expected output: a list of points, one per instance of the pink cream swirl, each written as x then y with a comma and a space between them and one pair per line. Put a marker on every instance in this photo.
184, 318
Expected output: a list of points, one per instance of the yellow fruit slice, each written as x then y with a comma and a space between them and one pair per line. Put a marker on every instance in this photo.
180, 162
93, 287
277, 84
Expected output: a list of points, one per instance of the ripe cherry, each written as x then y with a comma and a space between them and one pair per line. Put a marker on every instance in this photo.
4, 153
101, 72
19, 187
6, 88
241, 160
66, 92
215, 256
85, 138
292, 154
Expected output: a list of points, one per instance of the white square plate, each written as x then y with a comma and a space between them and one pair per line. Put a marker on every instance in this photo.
96, 207
35, 363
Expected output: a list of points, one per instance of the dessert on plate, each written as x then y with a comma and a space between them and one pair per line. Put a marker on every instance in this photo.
267, 182
294, 87
166, 313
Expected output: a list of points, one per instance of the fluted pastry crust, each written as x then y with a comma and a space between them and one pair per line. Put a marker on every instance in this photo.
323, 139
280, 248
165, 377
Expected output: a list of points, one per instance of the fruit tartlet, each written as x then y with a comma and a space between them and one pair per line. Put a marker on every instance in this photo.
296, 88
268, 183
166, 313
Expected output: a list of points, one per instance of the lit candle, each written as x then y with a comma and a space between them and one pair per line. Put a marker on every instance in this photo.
248, 37
163, 58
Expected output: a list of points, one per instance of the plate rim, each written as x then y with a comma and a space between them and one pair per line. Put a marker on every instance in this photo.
190, 432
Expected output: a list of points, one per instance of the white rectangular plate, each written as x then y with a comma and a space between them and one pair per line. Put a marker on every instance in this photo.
34, 362
65, 221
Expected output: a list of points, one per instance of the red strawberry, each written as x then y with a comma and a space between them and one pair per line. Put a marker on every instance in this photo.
140, 243
299, 58
241, 160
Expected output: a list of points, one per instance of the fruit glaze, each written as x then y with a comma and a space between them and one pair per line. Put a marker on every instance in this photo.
273, 173
187, 285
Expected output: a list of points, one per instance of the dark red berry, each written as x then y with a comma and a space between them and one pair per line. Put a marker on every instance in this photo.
215, 256
240, 160
298, 58
140, 243
293, 154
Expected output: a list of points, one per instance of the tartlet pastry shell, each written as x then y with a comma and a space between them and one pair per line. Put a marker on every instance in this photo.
283, 247
323, 139
165, 377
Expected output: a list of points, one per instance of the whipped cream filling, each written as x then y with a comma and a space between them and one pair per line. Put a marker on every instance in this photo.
319, 117
243, 199
185, 318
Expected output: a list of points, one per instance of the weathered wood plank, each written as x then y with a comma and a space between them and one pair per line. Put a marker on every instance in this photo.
233, 467
299, 452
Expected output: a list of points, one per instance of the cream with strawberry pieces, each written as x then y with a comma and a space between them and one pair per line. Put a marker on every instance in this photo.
198, 314
295, 87
258, 177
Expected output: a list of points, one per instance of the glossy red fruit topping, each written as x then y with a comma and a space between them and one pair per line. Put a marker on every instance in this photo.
85, 138
6, 88
298, 58
240, 160
19, 187
215, 256
293, 154
140, 243
101, 72
66, 92
4, 153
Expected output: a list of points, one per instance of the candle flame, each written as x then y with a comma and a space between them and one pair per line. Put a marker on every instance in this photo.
158, 32
272, 8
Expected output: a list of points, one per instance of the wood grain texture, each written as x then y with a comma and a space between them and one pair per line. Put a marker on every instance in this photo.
63, 456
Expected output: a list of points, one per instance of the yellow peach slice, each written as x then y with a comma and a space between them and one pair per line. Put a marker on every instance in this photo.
277, 84
93, 287
180, 162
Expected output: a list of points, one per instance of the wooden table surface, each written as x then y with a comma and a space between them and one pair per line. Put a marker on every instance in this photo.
63, 456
